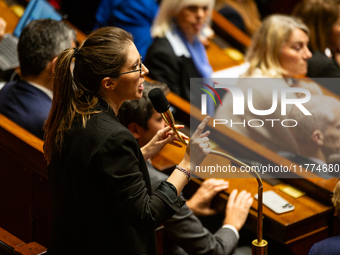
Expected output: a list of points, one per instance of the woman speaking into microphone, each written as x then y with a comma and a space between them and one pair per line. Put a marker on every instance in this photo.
100, 185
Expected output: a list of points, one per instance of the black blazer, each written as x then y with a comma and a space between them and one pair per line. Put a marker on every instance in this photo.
175, 71
101, 192
26, 105
320, 67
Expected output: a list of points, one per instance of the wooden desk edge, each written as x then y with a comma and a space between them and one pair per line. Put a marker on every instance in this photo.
19, 246
230, 28
21, 133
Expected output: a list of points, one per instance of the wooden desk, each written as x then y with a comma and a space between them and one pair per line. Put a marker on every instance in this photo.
311, 220
225, 26
217, 56
11, 245
219, 59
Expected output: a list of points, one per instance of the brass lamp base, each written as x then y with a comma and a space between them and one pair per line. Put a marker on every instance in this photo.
259, 248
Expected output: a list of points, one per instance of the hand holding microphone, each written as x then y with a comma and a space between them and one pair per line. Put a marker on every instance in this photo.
199, 146
162, 105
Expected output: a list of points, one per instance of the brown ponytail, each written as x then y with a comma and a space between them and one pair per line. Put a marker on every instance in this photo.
101, 55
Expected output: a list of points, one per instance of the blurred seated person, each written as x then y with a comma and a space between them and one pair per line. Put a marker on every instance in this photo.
177, 54
322, 18
278, 53
242, 13
318, 135
27, 101
134, 16
2, 28
184, 233
331, 245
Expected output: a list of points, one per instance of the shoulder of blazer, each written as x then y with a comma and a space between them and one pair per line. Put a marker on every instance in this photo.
160, 44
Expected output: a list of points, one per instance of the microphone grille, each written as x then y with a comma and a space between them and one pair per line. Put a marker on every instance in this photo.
158, 100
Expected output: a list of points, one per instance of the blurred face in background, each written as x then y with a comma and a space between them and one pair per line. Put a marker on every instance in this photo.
191, 20
295, 53
155, 123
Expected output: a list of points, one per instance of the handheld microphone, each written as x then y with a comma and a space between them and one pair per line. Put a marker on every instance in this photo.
162, 105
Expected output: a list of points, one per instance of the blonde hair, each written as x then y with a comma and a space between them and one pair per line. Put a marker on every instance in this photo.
101, 55
319, 16
169, 9
267, 43
336, 198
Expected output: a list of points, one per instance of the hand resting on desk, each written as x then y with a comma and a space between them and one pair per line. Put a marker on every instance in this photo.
237, 208
200, 202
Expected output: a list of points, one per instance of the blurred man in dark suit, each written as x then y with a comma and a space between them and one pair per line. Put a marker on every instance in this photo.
27, 101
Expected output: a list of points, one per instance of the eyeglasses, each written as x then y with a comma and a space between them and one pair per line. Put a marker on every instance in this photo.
138, 70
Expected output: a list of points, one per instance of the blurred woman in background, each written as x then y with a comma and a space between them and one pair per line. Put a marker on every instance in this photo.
322, 18
177, 54
279, 50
